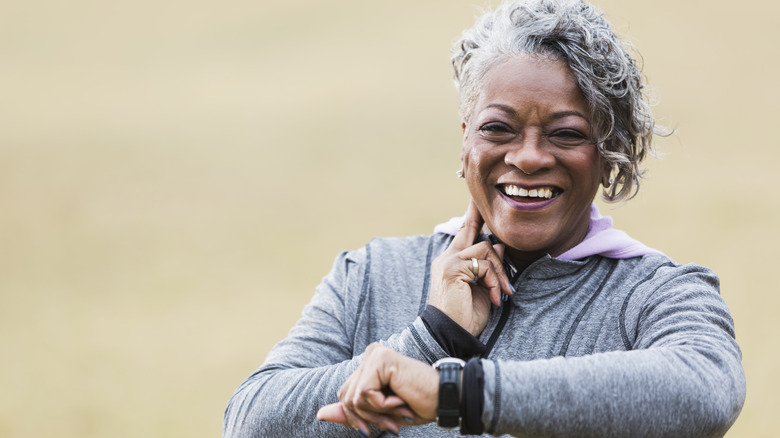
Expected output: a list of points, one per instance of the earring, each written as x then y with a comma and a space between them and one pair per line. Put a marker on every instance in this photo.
611, 180
460, 173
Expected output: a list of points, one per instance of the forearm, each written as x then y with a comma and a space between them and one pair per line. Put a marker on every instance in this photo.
283, 402
661, 392
283, 396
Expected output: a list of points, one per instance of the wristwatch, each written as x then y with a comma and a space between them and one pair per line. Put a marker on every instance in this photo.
448, 411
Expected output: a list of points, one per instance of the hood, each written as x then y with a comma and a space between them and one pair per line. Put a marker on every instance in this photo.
601, 239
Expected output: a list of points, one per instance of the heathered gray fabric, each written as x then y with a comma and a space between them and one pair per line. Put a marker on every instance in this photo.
638, 347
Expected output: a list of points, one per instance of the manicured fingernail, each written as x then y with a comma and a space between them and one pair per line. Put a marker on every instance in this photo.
392, 432
408, 419
512, 288
362, 432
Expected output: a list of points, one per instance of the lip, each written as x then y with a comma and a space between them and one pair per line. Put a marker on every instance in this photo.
526, 206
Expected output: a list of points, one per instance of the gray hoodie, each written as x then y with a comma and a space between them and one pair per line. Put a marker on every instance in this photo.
595, 347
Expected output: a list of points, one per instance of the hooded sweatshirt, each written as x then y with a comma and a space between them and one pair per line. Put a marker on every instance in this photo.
591, 345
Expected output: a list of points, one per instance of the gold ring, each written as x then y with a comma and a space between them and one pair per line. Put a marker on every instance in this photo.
474, 270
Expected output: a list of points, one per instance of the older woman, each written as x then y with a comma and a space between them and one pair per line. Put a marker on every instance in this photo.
569, 327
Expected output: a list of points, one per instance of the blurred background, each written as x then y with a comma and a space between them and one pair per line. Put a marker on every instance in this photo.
177, 176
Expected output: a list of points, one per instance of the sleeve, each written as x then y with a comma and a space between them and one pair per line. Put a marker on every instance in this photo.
304, 371
682, 377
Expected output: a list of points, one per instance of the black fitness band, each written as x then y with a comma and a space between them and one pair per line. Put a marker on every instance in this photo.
448, 411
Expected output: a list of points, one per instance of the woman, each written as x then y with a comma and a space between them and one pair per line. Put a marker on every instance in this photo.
569, 327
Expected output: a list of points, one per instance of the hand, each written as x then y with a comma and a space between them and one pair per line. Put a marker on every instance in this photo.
451, 289
387, 389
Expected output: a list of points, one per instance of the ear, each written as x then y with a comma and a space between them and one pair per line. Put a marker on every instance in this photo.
463, 141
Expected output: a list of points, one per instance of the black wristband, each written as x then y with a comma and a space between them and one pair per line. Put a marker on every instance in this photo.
448, 409
472, 398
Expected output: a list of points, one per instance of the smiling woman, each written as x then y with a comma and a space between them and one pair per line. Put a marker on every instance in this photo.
538, 317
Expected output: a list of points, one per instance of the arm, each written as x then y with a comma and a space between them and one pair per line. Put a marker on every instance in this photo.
682, 378
304, 371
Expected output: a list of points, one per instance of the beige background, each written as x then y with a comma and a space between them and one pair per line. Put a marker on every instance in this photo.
176, 176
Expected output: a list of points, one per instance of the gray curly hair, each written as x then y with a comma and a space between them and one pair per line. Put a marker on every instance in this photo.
607, 75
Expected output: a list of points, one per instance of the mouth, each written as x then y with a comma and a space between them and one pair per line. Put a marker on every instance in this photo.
535, 194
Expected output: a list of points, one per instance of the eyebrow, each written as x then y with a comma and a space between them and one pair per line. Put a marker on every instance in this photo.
557, 115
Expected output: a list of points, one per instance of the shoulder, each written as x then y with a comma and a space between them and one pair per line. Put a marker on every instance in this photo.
392, 250
658, 269
652, 282
408, 246
661, 287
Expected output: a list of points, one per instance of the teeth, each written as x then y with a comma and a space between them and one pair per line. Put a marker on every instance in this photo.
544, 192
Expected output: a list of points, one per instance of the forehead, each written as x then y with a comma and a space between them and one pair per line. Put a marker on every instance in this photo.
527, 80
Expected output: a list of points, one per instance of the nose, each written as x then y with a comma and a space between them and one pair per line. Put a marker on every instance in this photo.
530, 154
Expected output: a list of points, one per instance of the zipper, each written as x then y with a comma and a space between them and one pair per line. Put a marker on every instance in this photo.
506, 308
505, 311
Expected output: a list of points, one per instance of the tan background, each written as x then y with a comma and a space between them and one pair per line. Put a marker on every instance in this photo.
176, 176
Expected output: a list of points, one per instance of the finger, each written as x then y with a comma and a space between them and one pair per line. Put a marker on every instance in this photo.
333, 413
392, 407
354, 421
382, 421
491, 280
470, 230
507, 287
405, 414
490, 259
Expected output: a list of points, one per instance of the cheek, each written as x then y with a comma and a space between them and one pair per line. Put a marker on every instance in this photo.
473, 158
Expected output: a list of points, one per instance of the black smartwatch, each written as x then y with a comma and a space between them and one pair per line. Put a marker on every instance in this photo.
448, 412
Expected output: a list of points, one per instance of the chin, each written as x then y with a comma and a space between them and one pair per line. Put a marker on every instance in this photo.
523, 238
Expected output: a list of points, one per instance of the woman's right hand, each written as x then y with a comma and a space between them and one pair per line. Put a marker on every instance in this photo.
451, 275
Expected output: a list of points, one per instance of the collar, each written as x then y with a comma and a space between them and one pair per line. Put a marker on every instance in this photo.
602, 239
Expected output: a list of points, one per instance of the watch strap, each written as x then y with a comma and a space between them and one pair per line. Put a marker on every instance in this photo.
448, 410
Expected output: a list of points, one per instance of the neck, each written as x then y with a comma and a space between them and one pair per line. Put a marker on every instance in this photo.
521, 259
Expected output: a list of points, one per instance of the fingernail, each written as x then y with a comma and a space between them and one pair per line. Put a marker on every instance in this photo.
392, 432
512, 288
408, 419
362, 432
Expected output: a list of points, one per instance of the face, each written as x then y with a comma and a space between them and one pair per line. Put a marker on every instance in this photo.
529, 158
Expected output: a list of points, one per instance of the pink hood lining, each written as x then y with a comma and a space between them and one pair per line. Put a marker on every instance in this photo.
601, 239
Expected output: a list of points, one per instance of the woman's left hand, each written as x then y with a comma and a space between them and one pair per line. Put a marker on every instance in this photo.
387, 389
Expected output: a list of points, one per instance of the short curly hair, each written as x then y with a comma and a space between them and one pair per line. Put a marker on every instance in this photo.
577, 33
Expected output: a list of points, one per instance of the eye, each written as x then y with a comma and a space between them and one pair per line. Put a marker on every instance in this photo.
568, 137
496, 131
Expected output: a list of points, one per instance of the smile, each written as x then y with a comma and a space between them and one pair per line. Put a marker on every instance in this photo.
538, 192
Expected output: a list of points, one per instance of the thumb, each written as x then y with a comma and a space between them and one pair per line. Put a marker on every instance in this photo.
333, 413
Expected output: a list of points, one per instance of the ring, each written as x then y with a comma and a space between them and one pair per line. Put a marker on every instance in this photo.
474, 270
